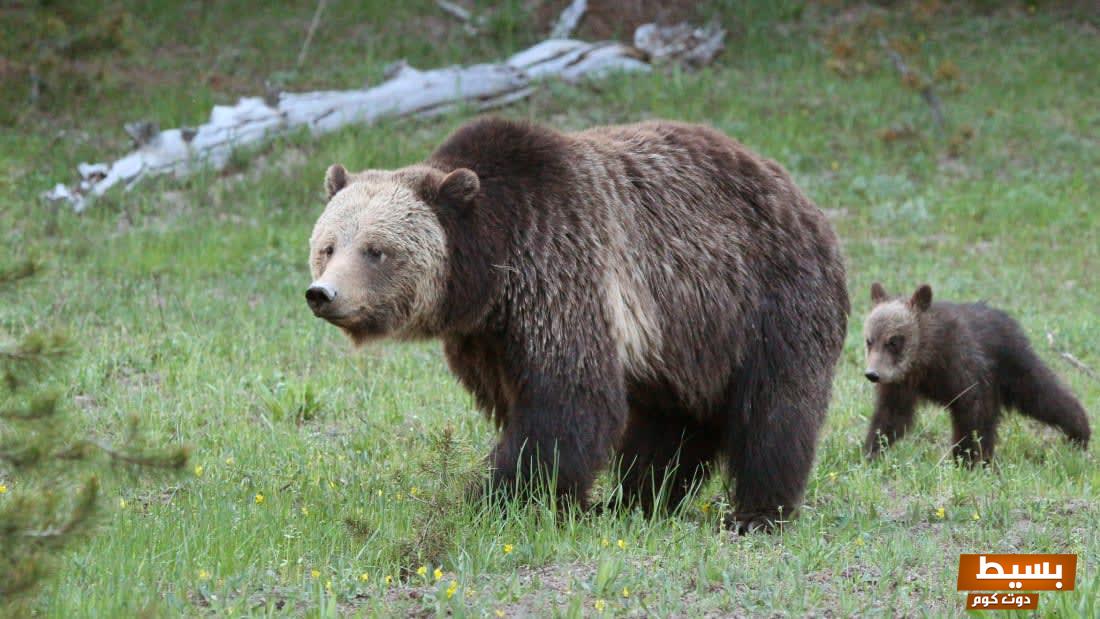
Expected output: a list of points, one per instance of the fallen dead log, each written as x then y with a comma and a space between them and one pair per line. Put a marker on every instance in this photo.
407, 92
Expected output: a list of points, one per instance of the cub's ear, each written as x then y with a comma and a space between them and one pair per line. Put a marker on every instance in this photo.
336, 178
459, 187
922, 298
878, 293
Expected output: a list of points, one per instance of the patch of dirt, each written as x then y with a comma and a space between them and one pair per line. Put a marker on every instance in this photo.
554, 581
86, 402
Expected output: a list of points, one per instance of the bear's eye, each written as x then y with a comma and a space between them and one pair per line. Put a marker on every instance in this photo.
895, 343
328, 251
375, 254
869, 342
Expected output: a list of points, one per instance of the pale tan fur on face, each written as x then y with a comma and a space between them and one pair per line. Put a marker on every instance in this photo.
886, 320
400, 292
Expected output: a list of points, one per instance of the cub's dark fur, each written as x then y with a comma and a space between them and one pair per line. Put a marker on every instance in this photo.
971, 358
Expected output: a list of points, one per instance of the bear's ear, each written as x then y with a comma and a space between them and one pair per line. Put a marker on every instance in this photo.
336, 178
922, 298
878, 293
459, 187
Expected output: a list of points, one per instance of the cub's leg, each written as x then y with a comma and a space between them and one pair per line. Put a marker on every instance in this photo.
895, 412
975, 416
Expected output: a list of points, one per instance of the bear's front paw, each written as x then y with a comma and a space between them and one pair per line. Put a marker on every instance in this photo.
741, 523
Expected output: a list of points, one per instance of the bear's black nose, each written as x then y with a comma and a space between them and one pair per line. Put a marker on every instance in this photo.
872, 376
319, 295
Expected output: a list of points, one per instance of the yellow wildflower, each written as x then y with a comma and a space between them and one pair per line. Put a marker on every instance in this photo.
259, 499
305, 510
364, 577
204, 575
626, 592
451, 589
230, 460
859, 541
3, 489
414, 491
122, 503
600, 605
832, 476
438, 573
389, 580
976, 516
941, 512
422, 570
498, 612
315, 573
328, 586
507, 548
604, 542
198, 470
621, 544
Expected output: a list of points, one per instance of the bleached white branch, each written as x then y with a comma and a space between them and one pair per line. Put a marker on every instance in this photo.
406, 92
470, 23
569, 19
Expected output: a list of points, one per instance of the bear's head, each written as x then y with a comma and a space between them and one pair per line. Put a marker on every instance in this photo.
378, 253
892, 333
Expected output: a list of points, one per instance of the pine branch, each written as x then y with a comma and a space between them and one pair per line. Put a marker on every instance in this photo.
82, 512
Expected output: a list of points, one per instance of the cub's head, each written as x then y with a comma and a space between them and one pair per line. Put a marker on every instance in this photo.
378, 253
892, 333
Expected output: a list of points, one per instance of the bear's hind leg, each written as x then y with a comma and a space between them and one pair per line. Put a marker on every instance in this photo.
772, 458
1032, 388
662, 458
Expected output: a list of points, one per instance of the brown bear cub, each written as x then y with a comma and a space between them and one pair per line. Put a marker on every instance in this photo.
653, 292
970, 358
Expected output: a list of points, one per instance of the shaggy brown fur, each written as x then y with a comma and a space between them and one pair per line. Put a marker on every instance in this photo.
972, 359
655, 291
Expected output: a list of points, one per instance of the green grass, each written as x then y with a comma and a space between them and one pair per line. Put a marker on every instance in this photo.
185, 298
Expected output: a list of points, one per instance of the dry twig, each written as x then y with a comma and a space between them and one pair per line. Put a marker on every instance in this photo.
309, 35
1070, 359
469, 23
569, 19
908, 74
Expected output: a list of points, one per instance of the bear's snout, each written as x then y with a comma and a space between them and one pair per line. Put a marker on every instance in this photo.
319, 295
872, 376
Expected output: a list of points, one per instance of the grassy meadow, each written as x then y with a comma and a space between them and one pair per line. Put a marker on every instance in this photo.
328, 482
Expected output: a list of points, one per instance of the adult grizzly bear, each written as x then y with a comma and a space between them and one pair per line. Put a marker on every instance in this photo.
652, 290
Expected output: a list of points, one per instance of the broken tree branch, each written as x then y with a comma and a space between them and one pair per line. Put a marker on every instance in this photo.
569, 19
910, 76
683, 43
1070, 359
407, 92
309, 35
469, 23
